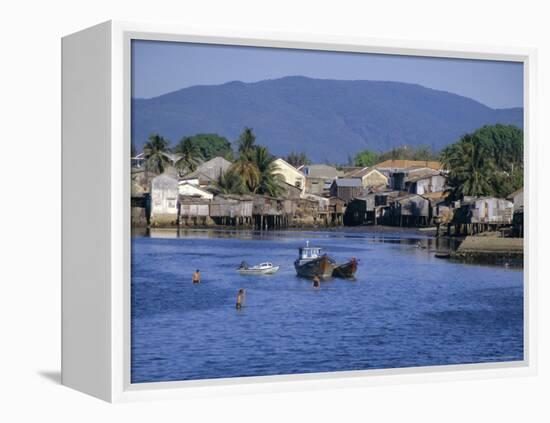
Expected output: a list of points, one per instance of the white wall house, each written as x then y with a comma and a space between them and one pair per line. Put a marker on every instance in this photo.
290, 174
164, 200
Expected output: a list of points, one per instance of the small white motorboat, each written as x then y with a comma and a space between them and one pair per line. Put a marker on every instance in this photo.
260, 269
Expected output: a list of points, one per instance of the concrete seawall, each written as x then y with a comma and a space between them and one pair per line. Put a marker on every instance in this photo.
492, 250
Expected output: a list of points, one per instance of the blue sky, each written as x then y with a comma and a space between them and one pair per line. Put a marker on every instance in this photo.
160, 67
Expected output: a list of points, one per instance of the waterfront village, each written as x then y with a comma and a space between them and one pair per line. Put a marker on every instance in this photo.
393, 192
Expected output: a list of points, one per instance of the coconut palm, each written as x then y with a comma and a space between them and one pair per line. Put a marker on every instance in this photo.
231, 183
270, 181
188, 155
156, 152
471, 166
246, 144
249, 173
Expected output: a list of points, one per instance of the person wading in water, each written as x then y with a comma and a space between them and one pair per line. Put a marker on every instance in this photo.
197, 276
240, 299
316, 282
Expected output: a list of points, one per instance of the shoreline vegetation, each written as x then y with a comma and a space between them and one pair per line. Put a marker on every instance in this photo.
472, 189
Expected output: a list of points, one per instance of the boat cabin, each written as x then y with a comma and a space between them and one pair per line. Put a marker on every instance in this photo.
309, 253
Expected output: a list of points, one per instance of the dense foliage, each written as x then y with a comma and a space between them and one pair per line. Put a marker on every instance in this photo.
488, 162
365, 158
211, 145
231, 183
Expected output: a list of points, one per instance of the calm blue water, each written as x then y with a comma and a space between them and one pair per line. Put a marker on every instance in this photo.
406, 308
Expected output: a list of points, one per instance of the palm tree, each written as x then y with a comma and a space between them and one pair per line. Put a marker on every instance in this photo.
247, 145
188, 155
471, 167
231, 183
245, 166
270, 181
249, 173
155, 151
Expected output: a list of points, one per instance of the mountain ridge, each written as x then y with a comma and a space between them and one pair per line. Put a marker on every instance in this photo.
328, 119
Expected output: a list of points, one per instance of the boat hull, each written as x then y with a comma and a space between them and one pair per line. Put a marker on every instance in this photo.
322, 267
346, 270
269, 271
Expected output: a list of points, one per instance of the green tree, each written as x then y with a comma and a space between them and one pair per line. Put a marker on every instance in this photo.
156, 153
249, 173
486, 162
188, 155
212, 145
365, 158
246, 144
270, 181
255, 166
231, 183
245, 165
297, 159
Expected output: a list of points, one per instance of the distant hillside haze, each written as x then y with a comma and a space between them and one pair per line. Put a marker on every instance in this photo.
329, 120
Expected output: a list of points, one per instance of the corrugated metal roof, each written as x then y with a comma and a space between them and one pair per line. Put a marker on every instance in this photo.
348, 182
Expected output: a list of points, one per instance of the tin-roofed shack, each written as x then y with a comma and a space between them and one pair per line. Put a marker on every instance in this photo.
424, 181
194, 211
372, 208
269, 212
479, 214
410, 210
346, 189
234, 210
398, 170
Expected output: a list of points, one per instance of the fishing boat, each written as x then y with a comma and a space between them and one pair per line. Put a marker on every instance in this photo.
312, 262
346, 270
260, 269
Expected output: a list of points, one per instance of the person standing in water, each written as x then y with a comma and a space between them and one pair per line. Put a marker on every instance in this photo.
197, 276
240, 299
316, 281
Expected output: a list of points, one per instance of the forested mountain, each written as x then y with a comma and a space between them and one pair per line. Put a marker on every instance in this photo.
329, 120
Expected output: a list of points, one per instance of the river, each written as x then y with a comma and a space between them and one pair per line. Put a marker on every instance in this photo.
406, 308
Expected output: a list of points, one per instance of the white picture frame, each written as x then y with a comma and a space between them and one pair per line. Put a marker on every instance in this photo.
96, 190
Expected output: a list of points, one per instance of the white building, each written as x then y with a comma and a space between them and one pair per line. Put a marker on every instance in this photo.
290, 174
164, 200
